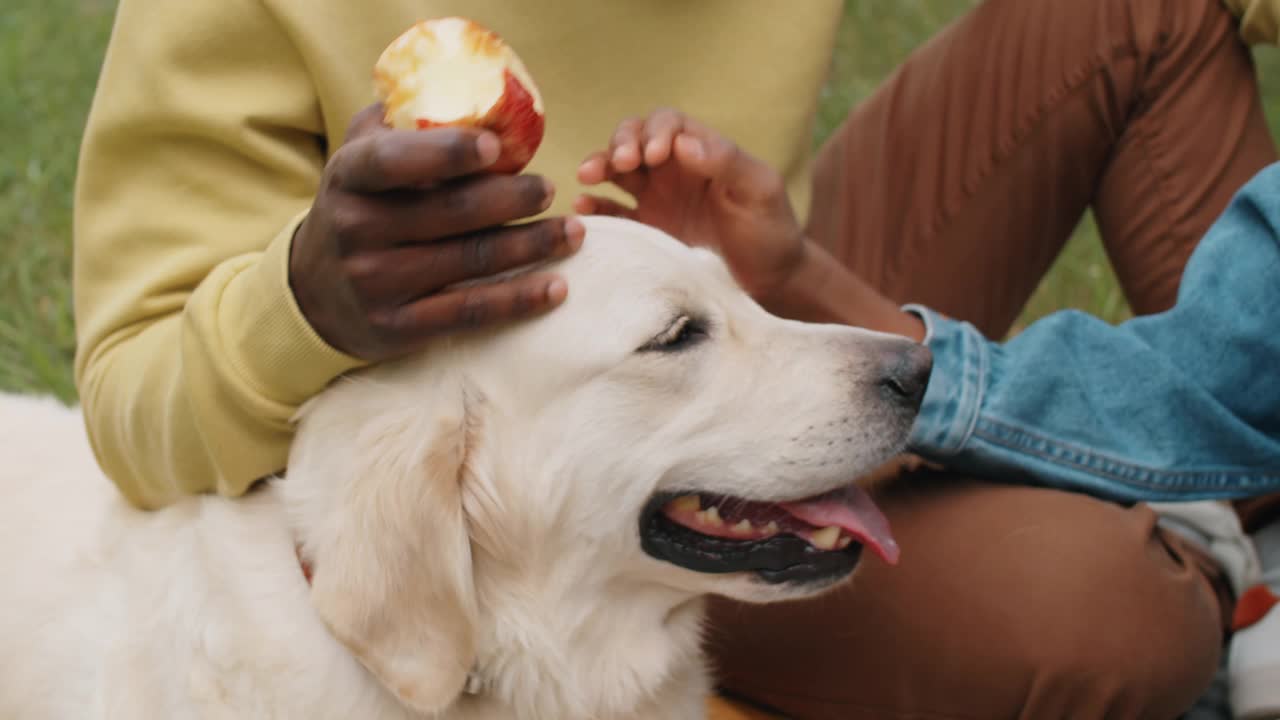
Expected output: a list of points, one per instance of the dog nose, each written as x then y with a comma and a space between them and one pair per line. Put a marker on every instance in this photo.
906, 373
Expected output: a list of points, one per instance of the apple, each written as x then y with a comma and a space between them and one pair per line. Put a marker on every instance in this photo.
451, 72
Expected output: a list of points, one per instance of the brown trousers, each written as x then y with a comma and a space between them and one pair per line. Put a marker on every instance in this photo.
956, 185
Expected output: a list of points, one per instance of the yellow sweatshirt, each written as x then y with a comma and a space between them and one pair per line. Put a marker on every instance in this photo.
206, 140
1259, 20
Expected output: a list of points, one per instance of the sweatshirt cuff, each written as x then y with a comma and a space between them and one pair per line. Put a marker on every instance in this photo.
271, 342
949, 411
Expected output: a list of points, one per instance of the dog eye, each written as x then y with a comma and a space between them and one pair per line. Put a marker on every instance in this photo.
684, 333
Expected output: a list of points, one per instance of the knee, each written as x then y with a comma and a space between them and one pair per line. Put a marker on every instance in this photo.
1119, 619
1090, 605
1174, 38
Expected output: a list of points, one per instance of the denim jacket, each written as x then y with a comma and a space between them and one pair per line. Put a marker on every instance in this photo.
1183, 405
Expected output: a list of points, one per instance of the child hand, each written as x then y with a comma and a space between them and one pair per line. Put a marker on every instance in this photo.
698, 186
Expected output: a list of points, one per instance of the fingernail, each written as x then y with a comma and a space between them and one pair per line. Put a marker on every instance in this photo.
574, 232
487, 148
557, 291
692, 147
549, 193
623, 155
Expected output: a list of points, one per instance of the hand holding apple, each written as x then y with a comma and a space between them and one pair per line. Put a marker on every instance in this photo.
697, 185
404, 216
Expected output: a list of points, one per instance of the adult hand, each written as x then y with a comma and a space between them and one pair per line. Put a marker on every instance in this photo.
698, 186
402, 217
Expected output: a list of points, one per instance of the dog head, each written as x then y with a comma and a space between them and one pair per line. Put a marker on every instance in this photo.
659, 427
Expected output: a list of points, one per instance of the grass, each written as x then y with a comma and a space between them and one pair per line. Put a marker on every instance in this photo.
50, 51
49, 56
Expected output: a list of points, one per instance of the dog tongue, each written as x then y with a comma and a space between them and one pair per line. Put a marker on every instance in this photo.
854, 510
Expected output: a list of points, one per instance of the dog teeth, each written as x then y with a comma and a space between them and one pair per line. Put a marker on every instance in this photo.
772, 528
710, 516
687, 503
843, 542
825, 539
744, 527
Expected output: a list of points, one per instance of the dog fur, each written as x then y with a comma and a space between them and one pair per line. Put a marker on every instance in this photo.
471, 514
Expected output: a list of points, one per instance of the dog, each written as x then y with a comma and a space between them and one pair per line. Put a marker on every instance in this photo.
514, 523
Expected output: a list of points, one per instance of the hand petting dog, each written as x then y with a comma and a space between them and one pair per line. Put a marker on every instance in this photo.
697, 185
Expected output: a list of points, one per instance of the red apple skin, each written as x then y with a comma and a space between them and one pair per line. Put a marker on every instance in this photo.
514, 120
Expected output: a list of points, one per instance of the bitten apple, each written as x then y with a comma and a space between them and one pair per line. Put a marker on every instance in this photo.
453, 72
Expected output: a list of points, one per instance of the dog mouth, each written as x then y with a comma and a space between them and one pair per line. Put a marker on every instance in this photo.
807, 540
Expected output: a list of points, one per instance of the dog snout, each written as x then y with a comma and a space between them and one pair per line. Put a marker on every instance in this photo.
905, 373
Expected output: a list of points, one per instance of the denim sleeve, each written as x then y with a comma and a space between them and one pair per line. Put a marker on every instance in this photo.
1183, 405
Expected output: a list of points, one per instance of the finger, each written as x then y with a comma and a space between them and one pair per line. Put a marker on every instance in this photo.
465, 206
369, 119
473, 307
634, 182
391, 159
659, 132
597, 205
595, 169
624, 147
704, 151
405, 274
712, 156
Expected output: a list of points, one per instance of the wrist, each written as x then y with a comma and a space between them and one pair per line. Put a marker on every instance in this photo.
796, 294
822, 289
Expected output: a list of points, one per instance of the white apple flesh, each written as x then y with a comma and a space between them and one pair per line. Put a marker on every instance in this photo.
451, 72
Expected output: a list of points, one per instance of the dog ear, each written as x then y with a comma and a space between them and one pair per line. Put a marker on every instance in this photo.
380, 508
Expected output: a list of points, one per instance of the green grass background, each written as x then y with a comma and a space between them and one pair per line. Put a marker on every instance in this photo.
49, 56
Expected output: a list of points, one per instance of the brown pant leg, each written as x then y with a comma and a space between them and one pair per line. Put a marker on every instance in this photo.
1009, 602
721, 708
957, 183
1257, 513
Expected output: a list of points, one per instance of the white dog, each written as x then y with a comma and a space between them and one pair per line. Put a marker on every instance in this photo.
512, 524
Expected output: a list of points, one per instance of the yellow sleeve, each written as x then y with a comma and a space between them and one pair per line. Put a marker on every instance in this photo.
202, 152
1259, 20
